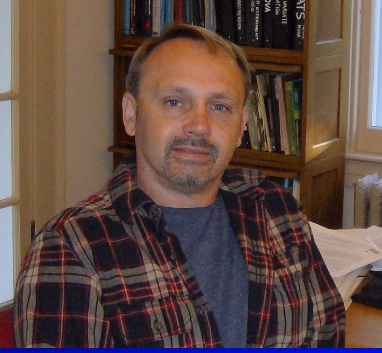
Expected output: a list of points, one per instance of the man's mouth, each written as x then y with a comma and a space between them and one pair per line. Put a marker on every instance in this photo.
193, 149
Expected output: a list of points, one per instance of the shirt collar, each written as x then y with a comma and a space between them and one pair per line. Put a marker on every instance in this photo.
128, 198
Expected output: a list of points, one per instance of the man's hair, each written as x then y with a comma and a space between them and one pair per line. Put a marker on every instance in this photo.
213, 42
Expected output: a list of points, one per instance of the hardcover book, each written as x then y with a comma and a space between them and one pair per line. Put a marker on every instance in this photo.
225, 20
198, 13
283, 24
187, 11
299, 32
268, 12
254, 23
239, 21
126, 28
178, 11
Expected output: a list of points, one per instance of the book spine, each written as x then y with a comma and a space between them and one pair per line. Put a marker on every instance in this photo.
275, 111
168, 12
139, 17
178, 11
126, 28
245, 139
297, 112
254, 23
288, 88
198, 13
264, 112
133, 4
268, 13
210, 15
158, 17
239, 22
283, 24
187, 11
284, 139
252, 121
225, 20
148, 19
299, 32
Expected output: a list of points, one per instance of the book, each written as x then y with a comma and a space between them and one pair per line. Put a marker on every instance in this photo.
288, 90
283, 24
126, 28
187, 11
158, 17
133, 4
297, 112
168, 12
299, 31
265, 137
275, 109
268, 12
178, 11
254, 23
147, 18
239, 21
280, 97
225, 19
245, 140
210, 15
264, 112
139, 17
252, 123
198, 13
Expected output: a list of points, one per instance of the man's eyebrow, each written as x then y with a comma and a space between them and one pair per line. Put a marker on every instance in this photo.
170, 90
225, 96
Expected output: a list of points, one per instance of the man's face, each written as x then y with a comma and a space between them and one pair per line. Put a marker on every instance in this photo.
189, 117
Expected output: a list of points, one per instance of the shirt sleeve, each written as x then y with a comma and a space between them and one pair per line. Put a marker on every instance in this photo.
58, 299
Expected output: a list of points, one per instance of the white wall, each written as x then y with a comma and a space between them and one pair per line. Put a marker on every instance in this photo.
89, 96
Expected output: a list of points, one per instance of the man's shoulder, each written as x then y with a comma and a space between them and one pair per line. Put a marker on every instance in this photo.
97, 206
248, 182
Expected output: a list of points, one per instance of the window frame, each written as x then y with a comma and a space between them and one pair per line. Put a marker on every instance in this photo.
13, 96
364, 141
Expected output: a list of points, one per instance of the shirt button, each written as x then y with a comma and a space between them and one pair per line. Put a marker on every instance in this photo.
297, 275
203, 311
157, 326
173, 257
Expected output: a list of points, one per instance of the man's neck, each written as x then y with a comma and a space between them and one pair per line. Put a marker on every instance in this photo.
171, 195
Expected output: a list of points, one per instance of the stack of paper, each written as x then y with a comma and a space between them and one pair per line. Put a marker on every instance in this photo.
349, 254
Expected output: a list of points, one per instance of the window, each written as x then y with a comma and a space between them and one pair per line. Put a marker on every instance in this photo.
376, 117
8, 148
365, 125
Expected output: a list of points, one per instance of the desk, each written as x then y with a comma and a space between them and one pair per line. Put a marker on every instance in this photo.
363, 326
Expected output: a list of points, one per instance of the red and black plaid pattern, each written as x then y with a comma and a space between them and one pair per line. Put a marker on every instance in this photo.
105, 274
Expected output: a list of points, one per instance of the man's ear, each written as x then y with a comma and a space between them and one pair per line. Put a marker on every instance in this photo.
244, 119
129, 110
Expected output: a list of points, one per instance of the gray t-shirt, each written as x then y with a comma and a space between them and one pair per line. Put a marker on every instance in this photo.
214, 256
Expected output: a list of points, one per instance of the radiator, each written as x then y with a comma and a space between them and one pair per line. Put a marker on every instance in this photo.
368, 201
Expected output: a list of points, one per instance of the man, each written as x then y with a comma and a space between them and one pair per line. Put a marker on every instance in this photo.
178, 251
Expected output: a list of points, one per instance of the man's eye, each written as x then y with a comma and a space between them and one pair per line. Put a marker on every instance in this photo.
219, 107
173, 103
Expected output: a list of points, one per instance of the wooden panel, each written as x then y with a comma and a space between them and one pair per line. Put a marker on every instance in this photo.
322, 191
329, 20
326, 101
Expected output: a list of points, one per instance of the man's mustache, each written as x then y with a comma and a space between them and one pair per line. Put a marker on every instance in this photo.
200, 143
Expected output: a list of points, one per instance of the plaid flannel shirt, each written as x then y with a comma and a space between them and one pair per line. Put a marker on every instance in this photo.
105, 274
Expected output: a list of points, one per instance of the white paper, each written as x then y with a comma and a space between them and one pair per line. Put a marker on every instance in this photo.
347, 250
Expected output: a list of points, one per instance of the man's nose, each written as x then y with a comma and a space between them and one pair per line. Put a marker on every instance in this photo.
198, 123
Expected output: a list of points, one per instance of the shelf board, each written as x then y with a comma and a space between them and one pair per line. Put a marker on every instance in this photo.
293, 58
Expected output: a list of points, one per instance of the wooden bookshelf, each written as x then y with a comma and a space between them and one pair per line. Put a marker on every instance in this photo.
324, 64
